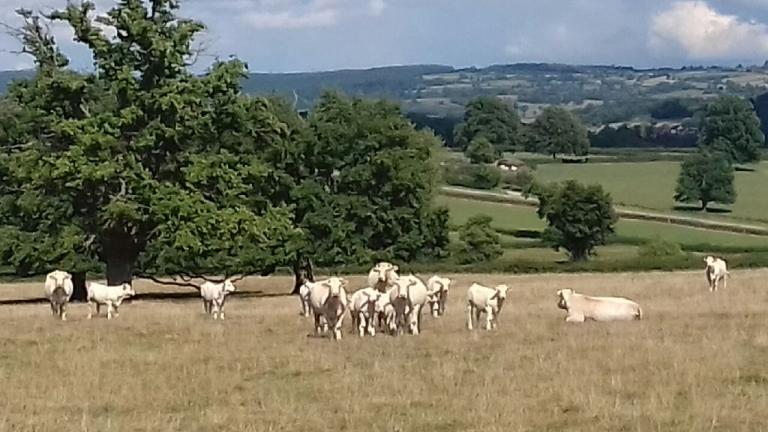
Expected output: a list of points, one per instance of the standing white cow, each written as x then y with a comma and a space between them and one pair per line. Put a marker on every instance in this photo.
581, 307
328, 299
482, 299
717, 271
214, 296
362, 308
382, 276
438, 294
109, 295
58, 290
408, 298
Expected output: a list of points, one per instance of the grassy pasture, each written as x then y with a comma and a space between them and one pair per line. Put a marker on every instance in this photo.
696, 362
651, 185
512, 217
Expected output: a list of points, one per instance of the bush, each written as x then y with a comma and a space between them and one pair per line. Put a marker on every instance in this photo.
658, 248
472, 176
480, 242
516, 180
480, 150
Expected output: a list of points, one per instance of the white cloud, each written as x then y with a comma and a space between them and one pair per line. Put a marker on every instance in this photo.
377, 7
289, 20
703, 33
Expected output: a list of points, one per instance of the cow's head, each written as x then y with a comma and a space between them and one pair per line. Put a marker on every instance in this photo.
564, 297
335, 286
59, 277
381, 303
501, 291
710, 260
128, 290
385, 271
403, 287
229, 287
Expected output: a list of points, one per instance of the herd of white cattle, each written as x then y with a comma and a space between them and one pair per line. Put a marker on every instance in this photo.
390, 303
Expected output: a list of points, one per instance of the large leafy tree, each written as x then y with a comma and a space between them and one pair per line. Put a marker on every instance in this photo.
558, 131
732, 127
141, 165
579, 217
490, 118
705, 178
367, 185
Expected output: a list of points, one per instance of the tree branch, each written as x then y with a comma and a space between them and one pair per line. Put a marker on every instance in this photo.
166, 282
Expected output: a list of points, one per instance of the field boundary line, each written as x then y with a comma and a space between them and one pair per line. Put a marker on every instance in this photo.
516, 198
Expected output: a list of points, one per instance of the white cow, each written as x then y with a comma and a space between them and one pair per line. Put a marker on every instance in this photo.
109, 295
382, 276
408, 298
362, 308
58, 290
214, 296
438, 294
581, 307
482, 299
716, 271
328, 299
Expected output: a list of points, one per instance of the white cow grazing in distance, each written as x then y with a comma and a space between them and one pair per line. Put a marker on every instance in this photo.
408, 298
438, 294
382, 276
482, 299
581, 307
214, 296
109, 295
328, 299
58, 290
362, 308
717, 271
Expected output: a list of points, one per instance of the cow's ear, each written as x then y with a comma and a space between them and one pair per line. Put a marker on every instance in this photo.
344, 283
395, 268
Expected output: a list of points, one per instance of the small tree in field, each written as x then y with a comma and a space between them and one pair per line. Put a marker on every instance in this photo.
480, 150
480, 241
557, 130
705, 178
491, 118
579, 217
732, 127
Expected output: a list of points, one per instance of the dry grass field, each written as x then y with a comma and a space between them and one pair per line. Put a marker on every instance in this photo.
698, 362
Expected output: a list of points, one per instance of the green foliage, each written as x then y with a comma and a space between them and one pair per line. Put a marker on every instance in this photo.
517, 180
492, 119
480, 242
472, 176
706, 177
659, 248
579, 217
366, 188
140, 165
670, 109
732, 127
480, 150
559, 132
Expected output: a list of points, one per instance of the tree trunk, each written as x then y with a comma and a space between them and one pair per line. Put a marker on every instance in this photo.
120, 271
704, 205
79, 292
302, 272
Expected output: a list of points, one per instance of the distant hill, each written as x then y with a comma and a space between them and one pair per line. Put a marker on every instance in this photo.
436, 94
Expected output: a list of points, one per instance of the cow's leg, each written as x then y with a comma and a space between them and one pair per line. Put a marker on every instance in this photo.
98, 308
221, 306
469, 316
109, 310
725, 281
90, 309
443, 301
63, 311
318, 326
359, 322
488, 317
371, 326
54, 312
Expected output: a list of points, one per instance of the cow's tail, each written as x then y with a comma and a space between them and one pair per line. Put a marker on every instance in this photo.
639, 313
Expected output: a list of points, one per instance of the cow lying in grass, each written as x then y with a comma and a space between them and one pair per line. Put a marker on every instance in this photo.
582, 307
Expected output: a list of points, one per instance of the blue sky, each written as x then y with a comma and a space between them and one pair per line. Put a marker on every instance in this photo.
311, 35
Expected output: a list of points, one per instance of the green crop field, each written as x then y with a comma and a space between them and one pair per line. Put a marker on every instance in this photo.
512, 217
651, 185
